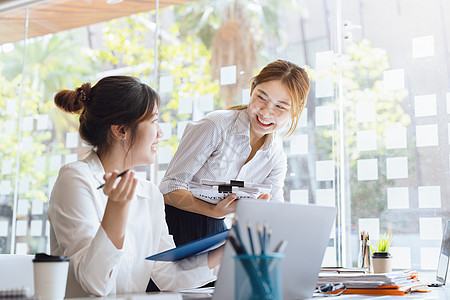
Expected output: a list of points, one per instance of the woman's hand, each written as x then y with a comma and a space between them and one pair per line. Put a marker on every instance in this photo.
265, 197
120, 192
215, 257
225, 206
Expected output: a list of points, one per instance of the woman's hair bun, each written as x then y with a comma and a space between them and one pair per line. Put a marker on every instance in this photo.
73, 101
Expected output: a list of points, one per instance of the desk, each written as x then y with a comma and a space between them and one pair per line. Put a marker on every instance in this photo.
436, 293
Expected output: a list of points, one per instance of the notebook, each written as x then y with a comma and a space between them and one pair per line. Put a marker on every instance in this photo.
193, 248
307, 229
442, 268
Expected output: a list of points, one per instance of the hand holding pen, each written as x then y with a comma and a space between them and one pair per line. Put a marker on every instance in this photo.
122, 191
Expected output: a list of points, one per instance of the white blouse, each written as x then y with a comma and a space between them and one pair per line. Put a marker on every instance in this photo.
216, 148
96, 266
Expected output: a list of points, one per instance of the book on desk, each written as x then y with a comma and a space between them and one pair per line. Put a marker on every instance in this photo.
394, 283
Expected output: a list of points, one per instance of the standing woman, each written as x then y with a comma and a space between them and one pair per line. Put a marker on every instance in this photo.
234, 144
107, 233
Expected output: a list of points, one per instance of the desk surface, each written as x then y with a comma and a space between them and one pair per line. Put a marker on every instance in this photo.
436, 293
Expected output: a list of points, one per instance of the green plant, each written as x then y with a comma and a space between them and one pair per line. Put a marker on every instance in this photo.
383, 244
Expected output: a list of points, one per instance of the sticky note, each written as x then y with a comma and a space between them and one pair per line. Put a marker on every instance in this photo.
7, 166
324, 87
365, 112
245, 96
423, 46
185, 106
324, 60
324, 170
27, 124
401, 257
396, 167
427, 135
42, 122
4, 228
37, 207
22, 207
165, 84
425, 105
206, 102
366, 140
430, 228
21, 227
324, 115
299, 144
164, 154
9, 126
394, 79
398, 197
428, 258
367, 169
325, 197
27, 143
228, 75
429, 196
5, 187
370, 225
167, 130
55, 162
36, 228
395, 137
71, 139
303, 120
40, 164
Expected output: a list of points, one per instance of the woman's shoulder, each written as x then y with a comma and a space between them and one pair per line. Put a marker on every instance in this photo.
75, 167
222, 116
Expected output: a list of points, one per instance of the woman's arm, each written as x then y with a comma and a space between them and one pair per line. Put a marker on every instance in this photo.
183, 199
114, 220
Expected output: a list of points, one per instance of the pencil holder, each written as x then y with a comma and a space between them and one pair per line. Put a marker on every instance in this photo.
258, 277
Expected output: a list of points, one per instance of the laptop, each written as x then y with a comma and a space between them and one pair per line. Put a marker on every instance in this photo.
306, 228
442, 268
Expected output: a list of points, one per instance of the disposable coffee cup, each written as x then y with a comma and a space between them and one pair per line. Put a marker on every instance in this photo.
50, 276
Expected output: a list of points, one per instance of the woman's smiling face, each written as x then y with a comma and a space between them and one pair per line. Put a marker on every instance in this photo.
269, 109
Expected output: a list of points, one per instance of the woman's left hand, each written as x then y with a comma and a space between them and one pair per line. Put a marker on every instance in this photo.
265, 197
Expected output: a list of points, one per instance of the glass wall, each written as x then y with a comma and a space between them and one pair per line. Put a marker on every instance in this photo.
372, 140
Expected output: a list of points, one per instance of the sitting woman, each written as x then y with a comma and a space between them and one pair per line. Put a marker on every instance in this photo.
107, 233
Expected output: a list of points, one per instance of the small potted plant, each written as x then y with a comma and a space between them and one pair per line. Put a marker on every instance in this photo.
381, 258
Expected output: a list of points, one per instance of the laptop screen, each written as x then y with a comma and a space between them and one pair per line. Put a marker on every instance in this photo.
441, 273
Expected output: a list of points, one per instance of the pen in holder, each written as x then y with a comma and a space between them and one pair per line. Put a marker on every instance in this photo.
258, 276
364, 254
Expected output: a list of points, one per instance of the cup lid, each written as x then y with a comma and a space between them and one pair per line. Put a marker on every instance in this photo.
381, 255
42, 257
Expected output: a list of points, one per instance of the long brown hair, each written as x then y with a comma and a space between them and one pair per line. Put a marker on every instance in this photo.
114, 100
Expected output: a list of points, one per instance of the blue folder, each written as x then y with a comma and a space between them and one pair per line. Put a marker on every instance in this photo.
192, 248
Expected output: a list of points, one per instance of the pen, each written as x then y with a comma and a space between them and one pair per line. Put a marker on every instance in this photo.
120, 175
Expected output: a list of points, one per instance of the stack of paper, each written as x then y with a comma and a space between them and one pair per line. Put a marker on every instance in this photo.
394, 283
215, 191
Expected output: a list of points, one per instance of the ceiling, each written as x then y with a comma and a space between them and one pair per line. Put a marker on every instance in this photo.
58, 15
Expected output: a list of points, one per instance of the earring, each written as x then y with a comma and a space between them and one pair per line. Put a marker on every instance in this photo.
123, 139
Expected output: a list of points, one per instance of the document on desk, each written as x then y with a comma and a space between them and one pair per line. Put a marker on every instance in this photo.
193, 248
394, 283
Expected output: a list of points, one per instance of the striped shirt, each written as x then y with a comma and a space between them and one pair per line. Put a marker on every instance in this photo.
216, 148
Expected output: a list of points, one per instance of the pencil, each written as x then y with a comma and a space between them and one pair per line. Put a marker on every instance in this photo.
249, 229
